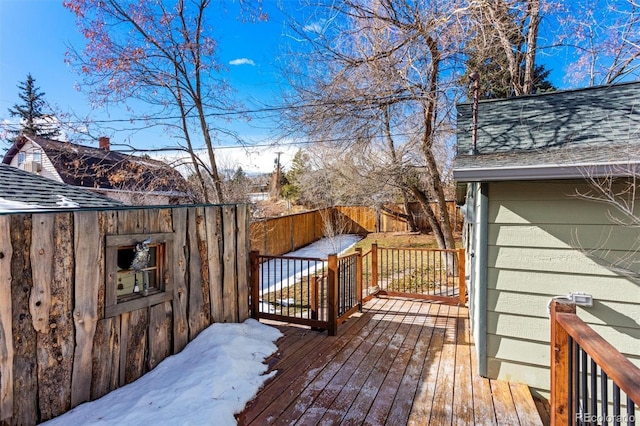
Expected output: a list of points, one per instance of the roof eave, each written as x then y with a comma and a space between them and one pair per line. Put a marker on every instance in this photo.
546, 172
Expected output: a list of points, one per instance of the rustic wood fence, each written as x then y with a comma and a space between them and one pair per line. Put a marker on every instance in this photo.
280, 235
67, 337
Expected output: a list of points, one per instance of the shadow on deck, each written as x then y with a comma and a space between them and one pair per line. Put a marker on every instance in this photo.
398, 362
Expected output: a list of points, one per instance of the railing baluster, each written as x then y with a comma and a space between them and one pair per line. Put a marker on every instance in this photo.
631, 411
584, 382
594, 388
604, 391
616, 404
571, 377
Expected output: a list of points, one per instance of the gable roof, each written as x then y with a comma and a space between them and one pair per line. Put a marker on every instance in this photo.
90, 167
27, 191
554, 135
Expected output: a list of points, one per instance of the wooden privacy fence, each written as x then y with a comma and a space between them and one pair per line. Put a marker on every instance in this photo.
76, 321
323, 293
591, 382
280, 235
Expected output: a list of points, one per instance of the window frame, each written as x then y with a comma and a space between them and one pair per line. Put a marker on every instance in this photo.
22, 158
164, 263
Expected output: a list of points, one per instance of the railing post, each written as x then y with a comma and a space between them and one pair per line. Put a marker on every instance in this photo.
560, 374
254, 279
332, 294
359, 277
374, 266
462, 277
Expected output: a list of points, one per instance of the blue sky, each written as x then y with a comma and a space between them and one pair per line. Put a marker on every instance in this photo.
34, 35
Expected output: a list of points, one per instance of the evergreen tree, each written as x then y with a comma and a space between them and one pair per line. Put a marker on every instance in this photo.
31, 111
292, 188
486, 56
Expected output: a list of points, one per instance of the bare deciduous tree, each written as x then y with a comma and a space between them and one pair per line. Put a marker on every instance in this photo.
163, 54
606, 38
381, 74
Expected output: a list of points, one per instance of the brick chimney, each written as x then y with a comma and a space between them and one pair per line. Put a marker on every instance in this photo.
103, 143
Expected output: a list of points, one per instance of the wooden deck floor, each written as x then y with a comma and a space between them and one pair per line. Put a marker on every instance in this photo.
398, 362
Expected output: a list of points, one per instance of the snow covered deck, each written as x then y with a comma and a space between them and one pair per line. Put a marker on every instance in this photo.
399, 362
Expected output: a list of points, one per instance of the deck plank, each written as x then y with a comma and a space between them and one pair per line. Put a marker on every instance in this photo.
336, 398
294, 375
463, 392
423, 401
400, 362
503, 403
308, 400
483, 410
442, 406
391, 387
369, 394
525, 405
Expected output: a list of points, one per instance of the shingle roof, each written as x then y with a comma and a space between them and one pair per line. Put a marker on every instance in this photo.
80, 165
24, 187
579, 128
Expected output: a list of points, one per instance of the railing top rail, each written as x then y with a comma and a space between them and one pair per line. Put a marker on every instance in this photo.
420, 249
312, 259
347, 256
622, 371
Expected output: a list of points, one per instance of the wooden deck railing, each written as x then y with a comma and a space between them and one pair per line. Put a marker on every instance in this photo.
423, 273
323, 293
588, 375
320, 293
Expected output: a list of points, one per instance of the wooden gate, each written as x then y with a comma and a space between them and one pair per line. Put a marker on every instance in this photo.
320, 293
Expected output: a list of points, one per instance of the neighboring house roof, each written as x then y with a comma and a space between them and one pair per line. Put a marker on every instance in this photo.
21, 191
90, 167
566, 134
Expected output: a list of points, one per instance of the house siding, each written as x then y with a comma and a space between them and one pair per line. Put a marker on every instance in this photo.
47, 170
543, 241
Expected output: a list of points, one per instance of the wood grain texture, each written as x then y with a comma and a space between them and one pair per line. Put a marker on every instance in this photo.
89, 257
230, 277
106, 357
203, 252
41, 270
180, 294
6, 339
195, 313
56, 344
25, 380
159, 333
135, 364
242, 250
213, 216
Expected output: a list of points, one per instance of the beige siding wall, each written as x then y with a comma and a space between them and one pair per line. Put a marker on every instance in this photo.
545, 241
47, 170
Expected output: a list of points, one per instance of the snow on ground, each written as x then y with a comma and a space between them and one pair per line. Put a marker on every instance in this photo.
277, 273
207, 383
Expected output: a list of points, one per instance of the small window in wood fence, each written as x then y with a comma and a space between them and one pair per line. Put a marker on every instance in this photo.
138, 272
